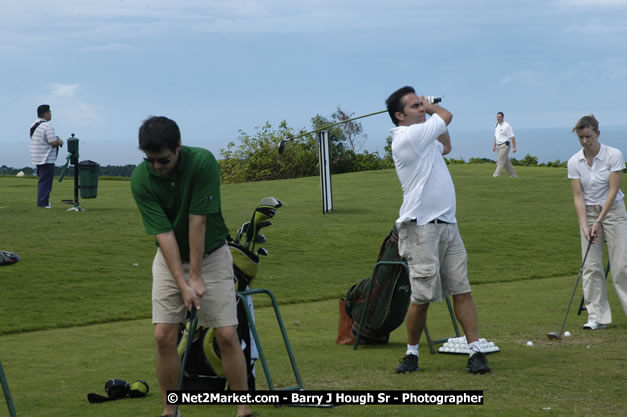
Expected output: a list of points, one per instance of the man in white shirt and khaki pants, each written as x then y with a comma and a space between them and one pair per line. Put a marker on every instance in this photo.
503, 140
429, 238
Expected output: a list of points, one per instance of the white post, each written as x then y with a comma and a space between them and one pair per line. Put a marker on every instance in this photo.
325, 171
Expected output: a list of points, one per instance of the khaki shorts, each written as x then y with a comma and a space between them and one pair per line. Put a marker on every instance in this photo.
218, 307
437, 261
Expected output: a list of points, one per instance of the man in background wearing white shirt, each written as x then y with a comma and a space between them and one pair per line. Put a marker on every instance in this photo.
503, 139
44, 147
427, 228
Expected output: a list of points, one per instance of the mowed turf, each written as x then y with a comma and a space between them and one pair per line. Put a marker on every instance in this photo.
79, 269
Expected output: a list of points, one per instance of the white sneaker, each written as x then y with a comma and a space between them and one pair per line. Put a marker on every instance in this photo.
48, 206
593, 325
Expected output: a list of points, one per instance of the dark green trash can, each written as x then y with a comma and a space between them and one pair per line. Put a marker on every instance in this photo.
88, 176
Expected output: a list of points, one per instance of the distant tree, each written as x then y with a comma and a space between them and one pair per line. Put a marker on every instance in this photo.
352, 131
481, 161
345, 139
256, 157
453, 161
388, 149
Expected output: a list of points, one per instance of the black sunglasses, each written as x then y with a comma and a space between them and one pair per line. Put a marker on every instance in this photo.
162, 161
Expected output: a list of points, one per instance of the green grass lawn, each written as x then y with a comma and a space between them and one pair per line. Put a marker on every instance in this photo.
75, 312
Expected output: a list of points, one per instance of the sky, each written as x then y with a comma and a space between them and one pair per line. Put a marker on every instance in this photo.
221, 67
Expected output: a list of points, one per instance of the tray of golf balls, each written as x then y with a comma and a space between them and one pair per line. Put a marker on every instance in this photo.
458, 345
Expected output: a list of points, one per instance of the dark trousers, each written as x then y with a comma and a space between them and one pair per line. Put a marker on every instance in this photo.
46, 175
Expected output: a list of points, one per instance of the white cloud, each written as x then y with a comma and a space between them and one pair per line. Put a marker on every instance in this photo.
596, 27
505, 80
64, 90
106, 47
69, 108
591, 3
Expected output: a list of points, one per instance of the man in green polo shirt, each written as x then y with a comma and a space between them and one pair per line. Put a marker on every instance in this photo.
177, 191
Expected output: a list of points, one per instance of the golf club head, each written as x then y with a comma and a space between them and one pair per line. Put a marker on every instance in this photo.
268, 211
271, 201
238, 235
260, 214
262, 252
260, 239
554, 336
9, 258
263, 223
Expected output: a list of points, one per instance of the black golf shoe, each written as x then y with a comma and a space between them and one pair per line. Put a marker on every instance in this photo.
478, 364
408, 364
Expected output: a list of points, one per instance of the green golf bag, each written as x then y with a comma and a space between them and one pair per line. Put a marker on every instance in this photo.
389, 298
203, 370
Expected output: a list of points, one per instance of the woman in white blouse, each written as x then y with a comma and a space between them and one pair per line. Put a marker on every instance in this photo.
595, 174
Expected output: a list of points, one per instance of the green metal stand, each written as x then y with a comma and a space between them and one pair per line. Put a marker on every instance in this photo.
363, 314
440, 341
242, 296
581, 306
7, 393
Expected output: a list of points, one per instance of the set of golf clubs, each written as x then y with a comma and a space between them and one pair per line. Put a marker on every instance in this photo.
249, 231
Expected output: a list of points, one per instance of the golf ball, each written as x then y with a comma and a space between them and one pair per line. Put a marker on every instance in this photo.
567, 333
530, 343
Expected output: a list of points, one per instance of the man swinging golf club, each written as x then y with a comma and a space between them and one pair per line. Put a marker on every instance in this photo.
427, 228
177, 191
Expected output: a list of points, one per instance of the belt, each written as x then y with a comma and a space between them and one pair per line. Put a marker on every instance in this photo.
435, 221
504, 143
207, 253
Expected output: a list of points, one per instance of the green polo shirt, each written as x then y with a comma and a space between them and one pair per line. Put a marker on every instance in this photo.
193, 187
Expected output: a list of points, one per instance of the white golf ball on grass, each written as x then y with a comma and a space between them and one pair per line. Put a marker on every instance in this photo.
530, 343
567, 333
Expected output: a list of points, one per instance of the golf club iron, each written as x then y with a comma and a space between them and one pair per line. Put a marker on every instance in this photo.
262, 252
240, 232
193, 321
259, 238
556, 335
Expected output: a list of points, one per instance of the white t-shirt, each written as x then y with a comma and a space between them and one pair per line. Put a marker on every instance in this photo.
503, 132
40, 150
595, 179
428, 191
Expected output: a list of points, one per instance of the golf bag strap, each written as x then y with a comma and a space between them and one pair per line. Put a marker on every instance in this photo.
35, 126
97, 398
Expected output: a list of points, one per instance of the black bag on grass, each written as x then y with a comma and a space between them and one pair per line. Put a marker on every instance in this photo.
389, 299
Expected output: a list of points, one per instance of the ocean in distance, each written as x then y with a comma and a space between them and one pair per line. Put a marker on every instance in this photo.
547, 144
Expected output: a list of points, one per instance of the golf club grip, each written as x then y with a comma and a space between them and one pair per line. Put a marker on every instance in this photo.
585, 256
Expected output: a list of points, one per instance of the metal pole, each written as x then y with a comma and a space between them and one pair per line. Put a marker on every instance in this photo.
76, 185
7, 393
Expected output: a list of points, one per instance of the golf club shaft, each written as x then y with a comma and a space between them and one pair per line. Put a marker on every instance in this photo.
576, 285
335, 124
188, 347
